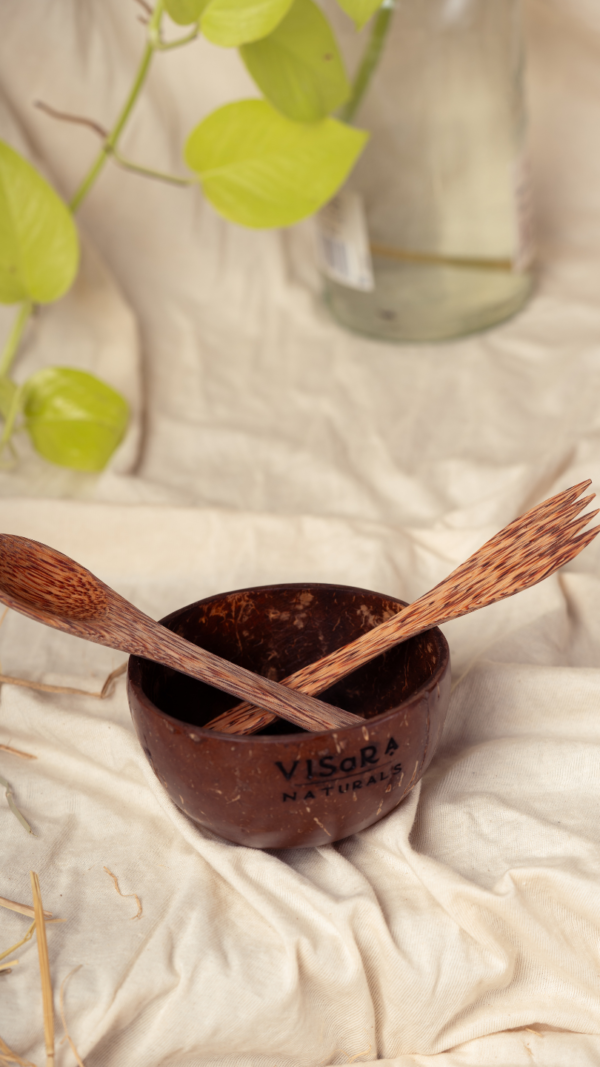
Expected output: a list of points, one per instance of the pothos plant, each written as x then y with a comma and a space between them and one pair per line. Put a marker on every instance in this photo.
267, 162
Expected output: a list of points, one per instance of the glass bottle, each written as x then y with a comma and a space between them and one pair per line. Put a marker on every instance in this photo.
431, 237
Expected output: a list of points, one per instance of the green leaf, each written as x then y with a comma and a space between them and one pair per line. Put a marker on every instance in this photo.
298, 67
184, 12
360, 10
7, 393
231, 23
74, 419
260, 169
39, 250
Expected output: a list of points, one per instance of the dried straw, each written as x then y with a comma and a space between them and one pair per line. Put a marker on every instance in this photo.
23, 909
8, 1056
8, 966
17, 752
14, 948
350, 1058
41, 687
42, 943
357, 1054
13, 807
137, 899
64, 1021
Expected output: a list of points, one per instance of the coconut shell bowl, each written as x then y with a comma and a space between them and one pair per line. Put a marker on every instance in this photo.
284, 787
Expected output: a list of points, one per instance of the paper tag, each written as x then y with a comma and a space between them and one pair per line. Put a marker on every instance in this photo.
343, 242
525, 237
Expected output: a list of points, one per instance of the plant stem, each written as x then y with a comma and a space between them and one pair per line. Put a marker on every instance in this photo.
11, 418
14, 337
109, 148
111, 141
370, 60
160, 175
163, 46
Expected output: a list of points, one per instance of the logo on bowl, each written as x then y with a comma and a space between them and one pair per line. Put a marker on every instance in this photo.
371, 765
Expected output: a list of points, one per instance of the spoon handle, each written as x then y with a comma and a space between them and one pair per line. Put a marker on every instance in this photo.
157, 643
318, 676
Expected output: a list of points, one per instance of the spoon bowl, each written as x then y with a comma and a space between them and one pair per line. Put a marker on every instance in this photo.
30, 579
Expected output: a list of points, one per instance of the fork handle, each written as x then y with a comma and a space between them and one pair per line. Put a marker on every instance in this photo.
318, 676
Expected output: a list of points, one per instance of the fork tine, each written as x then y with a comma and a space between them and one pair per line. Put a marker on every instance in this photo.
553, 523
572, 549
559, 500
557, 538
576, 546
524, 537
542, 515
586, 538
582, 521
547, 523
574, 490
573, 509
555, 511
559, 518
556, 555
584, 501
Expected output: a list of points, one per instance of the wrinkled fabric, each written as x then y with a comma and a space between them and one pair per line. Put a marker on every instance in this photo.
267, 445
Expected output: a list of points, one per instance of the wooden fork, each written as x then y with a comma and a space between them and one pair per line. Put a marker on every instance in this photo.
525, 552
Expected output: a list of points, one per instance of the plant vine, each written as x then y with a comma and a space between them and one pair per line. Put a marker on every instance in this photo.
303, 123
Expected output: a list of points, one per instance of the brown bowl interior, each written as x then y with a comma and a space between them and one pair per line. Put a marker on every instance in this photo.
252, 628
274, 630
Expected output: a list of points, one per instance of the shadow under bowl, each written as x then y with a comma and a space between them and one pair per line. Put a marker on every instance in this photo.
284, 787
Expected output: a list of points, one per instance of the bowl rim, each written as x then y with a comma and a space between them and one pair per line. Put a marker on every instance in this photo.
134, 671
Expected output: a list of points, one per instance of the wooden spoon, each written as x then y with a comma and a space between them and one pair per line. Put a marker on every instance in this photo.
49, 587
522, 554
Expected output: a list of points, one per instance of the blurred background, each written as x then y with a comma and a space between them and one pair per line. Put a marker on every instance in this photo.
245, 393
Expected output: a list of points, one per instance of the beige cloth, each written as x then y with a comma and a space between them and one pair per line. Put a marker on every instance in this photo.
464, 929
